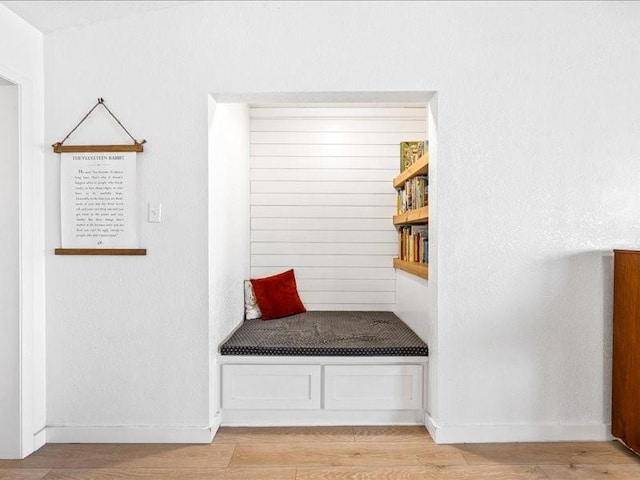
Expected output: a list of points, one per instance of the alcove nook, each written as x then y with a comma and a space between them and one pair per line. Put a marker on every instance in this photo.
305, 182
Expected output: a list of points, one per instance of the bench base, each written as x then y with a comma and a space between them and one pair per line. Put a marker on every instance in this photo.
297, 391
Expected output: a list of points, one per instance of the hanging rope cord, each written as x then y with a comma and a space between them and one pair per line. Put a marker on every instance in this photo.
101, 102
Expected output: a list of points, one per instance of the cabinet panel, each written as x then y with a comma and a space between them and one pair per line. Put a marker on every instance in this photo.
271, 386
625, 405
373, 387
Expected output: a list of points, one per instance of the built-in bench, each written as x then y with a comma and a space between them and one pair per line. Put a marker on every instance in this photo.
323, 368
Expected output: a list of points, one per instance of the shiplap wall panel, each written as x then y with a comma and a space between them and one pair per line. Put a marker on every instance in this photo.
324, 224
333, 138
322, 175
260, 260
333, 285
329, 236
306, 185
333, 211
328, 273
332, 163
327, 150
339, 112
347, 306
322, 199
311, 199
316, 248
349, 297
337, 125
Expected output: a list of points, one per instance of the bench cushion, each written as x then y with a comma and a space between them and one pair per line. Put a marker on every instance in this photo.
327, 333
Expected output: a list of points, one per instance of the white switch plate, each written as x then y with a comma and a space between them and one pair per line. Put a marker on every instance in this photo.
155, 212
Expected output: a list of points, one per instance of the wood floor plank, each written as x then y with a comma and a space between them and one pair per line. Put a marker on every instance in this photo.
23, 473
392, 434
550, 453
592, 472
125, 456
275, 473
345, 454
283, 435
480, 472
327, 453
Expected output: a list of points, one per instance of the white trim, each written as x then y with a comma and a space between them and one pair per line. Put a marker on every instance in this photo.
430, 425
124, 434
30, 251
304, 418
541, 432
217, 420
363, 98
40, 439
13, 439
26, 321
306, 360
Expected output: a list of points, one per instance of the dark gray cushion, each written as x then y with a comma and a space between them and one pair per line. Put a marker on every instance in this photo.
321, 333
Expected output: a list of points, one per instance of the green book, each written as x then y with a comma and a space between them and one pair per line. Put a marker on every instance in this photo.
410, 152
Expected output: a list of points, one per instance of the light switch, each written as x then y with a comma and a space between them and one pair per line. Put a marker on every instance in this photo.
155, 212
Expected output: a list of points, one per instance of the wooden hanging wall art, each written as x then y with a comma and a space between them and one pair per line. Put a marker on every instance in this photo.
98, 196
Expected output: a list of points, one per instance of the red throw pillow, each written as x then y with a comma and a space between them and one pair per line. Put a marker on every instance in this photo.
277, 296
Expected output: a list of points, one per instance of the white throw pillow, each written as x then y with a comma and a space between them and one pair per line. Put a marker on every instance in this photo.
251, 309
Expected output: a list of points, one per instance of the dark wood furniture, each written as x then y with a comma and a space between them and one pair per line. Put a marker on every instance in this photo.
625, 405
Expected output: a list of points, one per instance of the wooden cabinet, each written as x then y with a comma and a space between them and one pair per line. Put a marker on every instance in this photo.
413, 216
625, 404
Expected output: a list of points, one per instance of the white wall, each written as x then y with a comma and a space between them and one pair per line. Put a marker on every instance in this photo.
322, 199
537, 175
21, 62
417, 298
228, 227
9, 275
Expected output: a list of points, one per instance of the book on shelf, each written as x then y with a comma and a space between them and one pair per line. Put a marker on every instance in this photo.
410, 152
421, 192
413, 195
413, 240
413, 243
422, 230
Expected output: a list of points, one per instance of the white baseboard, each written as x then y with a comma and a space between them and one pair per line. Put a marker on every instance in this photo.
546, 432
296, 418
124, 434
39, 439
215, 426
431, 426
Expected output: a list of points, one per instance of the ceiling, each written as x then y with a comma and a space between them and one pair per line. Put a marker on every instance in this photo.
49, 16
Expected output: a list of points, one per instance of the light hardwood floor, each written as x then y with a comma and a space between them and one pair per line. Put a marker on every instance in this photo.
328, 453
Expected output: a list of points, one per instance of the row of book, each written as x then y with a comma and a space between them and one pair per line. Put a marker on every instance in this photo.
413, 243
410, 152
413, 195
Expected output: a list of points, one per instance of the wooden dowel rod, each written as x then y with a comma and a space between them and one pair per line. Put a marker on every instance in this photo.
101, 251
57, 148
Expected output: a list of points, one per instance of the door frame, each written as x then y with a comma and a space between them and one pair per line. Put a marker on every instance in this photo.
31, 271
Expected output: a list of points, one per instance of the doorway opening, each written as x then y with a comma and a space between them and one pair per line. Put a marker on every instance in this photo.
9, 271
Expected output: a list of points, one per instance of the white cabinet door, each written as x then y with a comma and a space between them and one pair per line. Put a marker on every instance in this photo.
271, 386
373, 387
